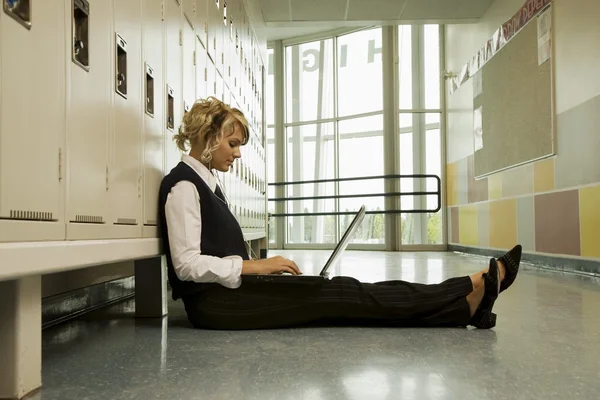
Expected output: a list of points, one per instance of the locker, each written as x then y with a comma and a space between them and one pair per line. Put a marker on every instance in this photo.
189, 11
235, 55
201, 18
189, 66
125, 172
201, 71
229, 40
173, 93
226, 94
89, 118
219, 93
214, 21
211, 78
32, 123
220, 29
153, 111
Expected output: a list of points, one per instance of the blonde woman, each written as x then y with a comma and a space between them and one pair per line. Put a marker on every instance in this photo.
207, 258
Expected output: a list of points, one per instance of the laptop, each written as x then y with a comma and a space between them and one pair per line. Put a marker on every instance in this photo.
333, 258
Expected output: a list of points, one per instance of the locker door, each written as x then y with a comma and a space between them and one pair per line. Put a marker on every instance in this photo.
125, 186
213, 19
173, 88
228, 39
201, 72
189, 67
211, 78
219, 34
189, 11
32, 124
154, 115
202, 20
234, 58
89, 115
219, 93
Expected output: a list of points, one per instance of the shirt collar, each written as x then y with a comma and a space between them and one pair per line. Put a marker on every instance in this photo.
201, 170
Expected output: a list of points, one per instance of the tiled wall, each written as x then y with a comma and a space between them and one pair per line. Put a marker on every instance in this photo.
523, 205
552, 206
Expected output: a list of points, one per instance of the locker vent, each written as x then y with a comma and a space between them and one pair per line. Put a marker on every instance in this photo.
89, 219
31, 215
126, 221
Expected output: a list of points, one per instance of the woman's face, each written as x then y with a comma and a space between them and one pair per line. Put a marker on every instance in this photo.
229, 150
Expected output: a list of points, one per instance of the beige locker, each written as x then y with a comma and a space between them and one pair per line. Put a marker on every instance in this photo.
89, 118
219, 92
201, 72
220, 28
237, 62
173, 87
226, 95
201, 23
258, 96
189, 11
189, 66
153, 111
229, 40
32, 123
211, 78
213, 24
125, 171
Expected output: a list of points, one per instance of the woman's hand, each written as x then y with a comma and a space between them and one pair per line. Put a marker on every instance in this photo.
273, 265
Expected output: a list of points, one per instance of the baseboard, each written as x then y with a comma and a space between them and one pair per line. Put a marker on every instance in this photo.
561, 264
65, 306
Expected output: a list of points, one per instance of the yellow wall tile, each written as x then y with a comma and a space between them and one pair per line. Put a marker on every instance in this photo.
495, 186
468, 225
452, 184
589, 212
503, 224
543, 172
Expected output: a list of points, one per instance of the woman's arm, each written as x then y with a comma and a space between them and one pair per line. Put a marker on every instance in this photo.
184, 223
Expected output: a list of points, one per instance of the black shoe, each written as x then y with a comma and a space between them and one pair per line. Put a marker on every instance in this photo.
484, 318
511, 261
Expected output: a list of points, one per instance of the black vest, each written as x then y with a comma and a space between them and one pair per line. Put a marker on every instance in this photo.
221, 233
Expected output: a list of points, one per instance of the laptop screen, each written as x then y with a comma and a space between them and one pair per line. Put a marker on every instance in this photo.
343, 243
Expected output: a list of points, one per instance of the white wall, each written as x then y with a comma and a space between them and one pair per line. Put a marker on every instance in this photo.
577, 52
576, 59
462, 43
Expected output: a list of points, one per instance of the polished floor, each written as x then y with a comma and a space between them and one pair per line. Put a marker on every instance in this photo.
546, 346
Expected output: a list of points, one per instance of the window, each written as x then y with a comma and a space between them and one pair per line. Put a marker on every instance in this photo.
309, 81
361, 154
334, 128
420, 150
360, 55
310, 157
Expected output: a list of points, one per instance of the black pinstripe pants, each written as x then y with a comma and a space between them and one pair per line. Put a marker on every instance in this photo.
341, 301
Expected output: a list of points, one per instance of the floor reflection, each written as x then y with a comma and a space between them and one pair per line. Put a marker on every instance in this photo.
546, 345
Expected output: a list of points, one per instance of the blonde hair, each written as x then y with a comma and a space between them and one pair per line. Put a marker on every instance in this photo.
208, 121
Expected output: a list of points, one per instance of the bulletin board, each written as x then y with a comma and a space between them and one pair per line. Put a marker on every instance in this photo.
514, 101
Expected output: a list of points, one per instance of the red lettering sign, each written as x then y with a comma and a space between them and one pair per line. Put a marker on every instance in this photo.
530, 9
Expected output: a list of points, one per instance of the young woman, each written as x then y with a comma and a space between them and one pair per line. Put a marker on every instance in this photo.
207, 257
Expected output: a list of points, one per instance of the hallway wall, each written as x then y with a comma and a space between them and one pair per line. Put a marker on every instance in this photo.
550, 206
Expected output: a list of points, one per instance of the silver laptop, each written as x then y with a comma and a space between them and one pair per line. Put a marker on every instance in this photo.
333, 258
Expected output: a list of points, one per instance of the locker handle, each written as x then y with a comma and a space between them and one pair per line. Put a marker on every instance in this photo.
20, 11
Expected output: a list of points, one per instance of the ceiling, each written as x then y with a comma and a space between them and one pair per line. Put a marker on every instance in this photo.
290, 18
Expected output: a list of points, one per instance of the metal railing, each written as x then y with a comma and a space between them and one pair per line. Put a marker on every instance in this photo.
437, 193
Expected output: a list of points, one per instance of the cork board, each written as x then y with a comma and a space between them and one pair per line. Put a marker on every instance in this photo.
513, 106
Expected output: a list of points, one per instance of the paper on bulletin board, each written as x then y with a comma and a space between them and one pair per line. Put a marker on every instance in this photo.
544, 36
478, 128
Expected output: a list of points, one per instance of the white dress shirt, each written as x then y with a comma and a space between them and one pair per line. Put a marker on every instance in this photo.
184, 223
